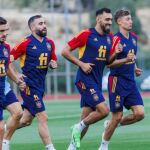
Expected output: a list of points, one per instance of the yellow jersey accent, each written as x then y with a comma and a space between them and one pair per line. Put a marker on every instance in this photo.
81, 51
22, 60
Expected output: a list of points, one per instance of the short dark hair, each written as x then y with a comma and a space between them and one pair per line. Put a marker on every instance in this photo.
121, 13
102, 10
31, 19
3, 21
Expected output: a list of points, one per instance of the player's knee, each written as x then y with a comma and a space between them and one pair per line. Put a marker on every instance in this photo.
139, 116
17, 115
42, 118
117, 119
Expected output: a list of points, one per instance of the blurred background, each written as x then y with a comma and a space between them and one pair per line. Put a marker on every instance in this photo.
66, 18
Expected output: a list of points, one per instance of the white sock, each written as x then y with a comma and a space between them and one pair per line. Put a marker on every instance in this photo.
81, 125
50, 147
71, 147
5, 141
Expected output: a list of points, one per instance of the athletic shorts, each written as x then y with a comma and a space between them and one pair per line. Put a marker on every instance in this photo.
123, 92
32, 100
91, 94
10, 99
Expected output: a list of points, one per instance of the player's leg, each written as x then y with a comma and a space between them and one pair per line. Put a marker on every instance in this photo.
43, 129
116, 106
85, 112
14, 108
91, 97
135, 103
138, 114
26, 119
13, 121
109, 130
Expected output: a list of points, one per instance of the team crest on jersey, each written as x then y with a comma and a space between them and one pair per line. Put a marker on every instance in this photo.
38, 104
108, 40
5, 51
49, 46
117, 104
134, 41
95, 97
117, 101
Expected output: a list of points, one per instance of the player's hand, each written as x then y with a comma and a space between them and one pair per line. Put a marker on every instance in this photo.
53, 64
118, 48
130, 57
21, 76
87, 67
138, 71
22, 85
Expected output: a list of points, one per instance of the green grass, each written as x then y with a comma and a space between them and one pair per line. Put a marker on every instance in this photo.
63, 114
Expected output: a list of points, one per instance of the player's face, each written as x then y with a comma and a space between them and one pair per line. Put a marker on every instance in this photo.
39, 27
3, 32
105, 22
126, 22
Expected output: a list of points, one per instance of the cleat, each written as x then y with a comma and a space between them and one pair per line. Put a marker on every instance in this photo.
76, 135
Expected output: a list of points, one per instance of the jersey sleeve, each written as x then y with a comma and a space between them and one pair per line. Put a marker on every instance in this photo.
79, 40
53, 54
116, 40
19, 49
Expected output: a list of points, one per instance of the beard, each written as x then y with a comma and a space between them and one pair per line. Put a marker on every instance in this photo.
105, 29
2, 40
41, 33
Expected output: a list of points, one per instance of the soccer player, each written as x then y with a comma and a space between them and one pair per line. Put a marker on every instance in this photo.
4, 68
36, 53
94, 47
122, 86
13, 106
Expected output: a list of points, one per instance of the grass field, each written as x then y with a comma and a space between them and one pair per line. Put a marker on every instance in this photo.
63, 114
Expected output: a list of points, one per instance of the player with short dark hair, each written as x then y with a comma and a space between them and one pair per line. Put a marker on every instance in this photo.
4, 69
94, 48
122, 85
36, 53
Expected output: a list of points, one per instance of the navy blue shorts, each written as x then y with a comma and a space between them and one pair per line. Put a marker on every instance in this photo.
123, 92
10, 99
33, 101
91, 94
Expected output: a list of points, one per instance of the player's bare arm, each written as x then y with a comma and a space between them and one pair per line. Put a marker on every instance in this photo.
119, 62
14, 75
138, 71
118, 49
86, 67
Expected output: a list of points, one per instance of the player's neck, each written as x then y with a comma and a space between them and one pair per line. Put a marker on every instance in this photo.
38, 37
125, 33
99, 30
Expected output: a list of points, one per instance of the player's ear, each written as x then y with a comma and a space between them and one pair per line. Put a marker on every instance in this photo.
98, 19
119, 21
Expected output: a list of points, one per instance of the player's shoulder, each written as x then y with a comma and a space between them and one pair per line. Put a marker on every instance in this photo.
6, 45
24, 41
134, 35
49, 40
116, 37
83, 33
